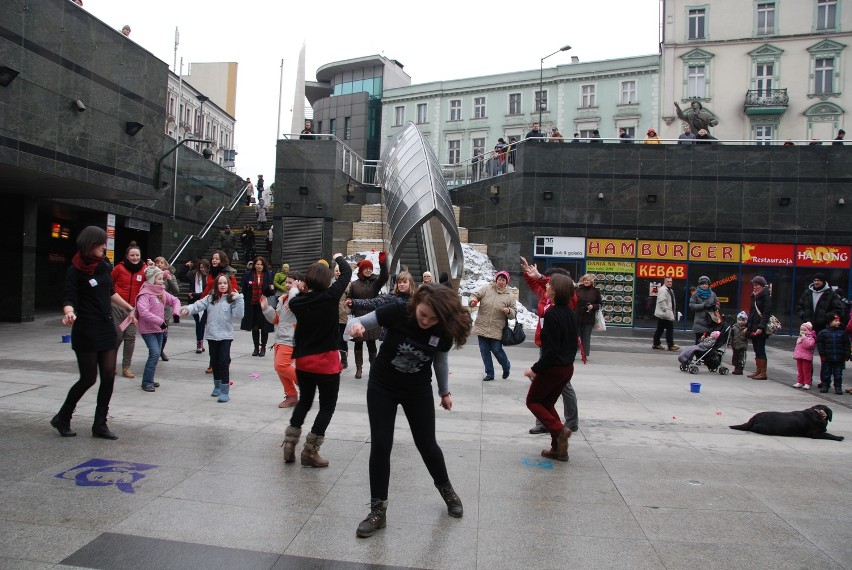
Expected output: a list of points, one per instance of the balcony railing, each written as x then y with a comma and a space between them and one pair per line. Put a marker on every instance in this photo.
766, 98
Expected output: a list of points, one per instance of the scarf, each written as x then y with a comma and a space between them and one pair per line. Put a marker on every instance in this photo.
152, 289
215, 271
85, 264
257, 288
133, 267
704, 293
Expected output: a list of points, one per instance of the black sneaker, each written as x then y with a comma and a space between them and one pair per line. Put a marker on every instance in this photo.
149, 388
488, 379
539, 429
824, 390
505, 373
838, 390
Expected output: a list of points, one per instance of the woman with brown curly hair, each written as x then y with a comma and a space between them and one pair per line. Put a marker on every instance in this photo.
418, 334
257, 283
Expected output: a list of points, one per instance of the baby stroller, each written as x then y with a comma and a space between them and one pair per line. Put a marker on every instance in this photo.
709, 352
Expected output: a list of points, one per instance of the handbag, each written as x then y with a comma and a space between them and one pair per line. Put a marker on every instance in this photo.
773, 325
513, 335
600, 322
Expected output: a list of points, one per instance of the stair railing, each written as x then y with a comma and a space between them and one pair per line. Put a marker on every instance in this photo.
206, 229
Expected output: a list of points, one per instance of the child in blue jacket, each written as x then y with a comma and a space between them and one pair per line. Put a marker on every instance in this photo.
834, 350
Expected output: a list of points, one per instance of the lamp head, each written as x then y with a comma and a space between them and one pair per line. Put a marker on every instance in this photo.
207, 153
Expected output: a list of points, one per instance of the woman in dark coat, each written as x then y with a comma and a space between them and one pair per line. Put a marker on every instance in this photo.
87, 308
367, 286
758, 316
257, 283
701, 303
588, 303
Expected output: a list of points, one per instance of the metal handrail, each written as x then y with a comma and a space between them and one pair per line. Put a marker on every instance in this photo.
207, 227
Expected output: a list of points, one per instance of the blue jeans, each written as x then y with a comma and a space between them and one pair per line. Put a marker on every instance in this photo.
828, 369
154, 342
487, 346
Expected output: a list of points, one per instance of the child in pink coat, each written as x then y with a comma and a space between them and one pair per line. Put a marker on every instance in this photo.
804, 356
151, 303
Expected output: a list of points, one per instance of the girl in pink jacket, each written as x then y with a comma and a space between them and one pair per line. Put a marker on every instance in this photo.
804, 356
150, 310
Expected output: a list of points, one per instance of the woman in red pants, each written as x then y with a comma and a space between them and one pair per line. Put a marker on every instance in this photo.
555, 366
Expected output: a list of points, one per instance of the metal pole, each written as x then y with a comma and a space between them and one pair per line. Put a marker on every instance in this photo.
280, 92
541, 82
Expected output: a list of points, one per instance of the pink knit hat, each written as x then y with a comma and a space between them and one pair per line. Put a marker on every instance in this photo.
505, 274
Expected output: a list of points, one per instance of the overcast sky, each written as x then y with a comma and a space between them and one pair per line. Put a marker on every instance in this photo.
435, 41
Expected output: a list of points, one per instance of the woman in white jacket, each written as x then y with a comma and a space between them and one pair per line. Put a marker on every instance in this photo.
223, 305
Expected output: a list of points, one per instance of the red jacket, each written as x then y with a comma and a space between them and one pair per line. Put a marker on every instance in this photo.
128, 284
539, 287
209, 287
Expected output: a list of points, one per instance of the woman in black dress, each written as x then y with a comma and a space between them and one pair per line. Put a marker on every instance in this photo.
87, 308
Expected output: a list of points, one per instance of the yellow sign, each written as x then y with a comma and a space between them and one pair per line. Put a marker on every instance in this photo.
714, 252
653, 249
596, 266
609, 248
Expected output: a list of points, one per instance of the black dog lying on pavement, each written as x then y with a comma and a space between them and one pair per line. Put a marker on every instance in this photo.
810, 423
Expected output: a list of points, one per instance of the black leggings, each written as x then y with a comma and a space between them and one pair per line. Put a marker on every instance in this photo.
420, 411
89, 364
328, 386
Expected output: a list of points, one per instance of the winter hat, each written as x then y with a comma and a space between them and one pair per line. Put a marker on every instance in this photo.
832, 316
285, 267
364, 264
759, 281
151, 273
324, 262
652, 132
715, 334
820, 276
504, 274
807, 326
703, 279
742, 315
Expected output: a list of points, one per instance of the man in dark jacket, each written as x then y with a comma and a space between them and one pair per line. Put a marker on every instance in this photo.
535, 134
817, 302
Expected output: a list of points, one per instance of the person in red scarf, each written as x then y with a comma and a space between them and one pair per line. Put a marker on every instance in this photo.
367, 286
538, 285
128, 277
87, 309
256, 284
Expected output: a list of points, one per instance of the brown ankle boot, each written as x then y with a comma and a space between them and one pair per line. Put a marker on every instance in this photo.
291, 440
761, 370
310, 453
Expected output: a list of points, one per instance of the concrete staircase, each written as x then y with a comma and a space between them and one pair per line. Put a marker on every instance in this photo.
247, 217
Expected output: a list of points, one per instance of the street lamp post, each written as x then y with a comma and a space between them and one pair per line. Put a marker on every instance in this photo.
541, 82
202, 99
206, 153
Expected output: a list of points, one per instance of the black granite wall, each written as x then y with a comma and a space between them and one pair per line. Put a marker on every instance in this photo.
703, 193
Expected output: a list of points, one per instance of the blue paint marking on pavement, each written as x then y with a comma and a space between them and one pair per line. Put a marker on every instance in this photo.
106, 472
539, 463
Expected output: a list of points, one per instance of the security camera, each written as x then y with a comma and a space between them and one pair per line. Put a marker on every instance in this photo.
207, 153
80, 105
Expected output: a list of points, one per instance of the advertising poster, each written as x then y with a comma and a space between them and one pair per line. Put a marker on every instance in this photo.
616, 282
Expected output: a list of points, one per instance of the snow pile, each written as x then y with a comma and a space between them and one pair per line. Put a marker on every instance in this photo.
478, 271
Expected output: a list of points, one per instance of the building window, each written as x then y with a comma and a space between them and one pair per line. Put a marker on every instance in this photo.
763, 77
697, 21
454, 152
479, 107
631, 132
333, 126
587, 96
421, 113
763, 134
826, 14
587, 133
514, 103
765, 18
540, 101
628, 92
347, 128
398, 116
455, 110
478, 145
696, 86
824, 75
